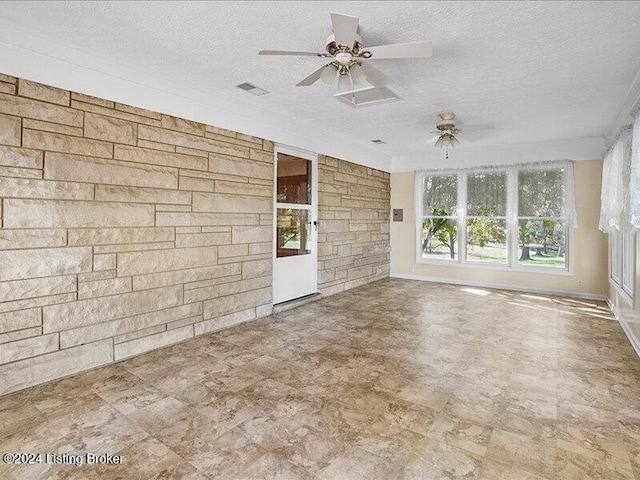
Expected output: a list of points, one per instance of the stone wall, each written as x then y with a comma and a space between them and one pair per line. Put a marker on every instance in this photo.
354, 214
122, 230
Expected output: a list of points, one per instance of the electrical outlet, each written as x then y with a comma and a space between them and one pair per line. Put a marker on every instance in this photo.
579, 283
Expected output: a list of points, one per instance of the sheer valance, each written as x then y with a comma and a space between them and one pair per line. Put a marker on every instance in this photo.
634, 180
615, 170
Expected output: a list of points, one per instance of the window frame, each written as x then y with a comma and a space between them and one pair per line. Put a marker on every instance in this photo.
512, 219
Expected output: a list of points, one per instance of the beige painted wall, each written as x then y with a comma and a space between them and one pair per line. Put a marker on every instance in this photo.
588, 244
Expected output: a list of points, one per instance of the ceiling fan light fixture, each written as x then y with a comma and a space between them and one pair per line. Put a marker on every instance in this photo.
357, 74
328, 75
345, 83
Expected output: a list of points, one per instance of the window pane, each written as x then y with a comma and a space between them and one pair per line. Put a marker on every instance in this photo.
292, 232
542, 243
294, 179
439, 238
487, 194
487, 240
541, 193
440, 195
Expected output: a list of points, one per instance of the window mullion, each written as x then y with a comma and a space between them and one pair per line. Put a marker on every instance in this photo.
462, 214
512, 217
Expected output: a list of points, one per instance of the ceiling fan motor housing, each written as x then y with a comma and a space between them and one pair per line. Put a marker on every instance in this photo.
332, 47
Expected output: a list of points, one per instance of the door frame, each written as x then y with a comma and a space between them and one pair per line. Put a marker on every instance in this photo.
313, 157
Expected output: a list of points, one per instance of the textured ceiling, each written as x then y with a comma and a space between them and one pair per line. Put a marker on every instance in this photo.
537, 71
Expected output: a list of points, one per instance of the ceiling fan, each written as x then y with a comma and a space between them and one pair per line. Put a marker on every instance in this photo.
449, 131
347, 52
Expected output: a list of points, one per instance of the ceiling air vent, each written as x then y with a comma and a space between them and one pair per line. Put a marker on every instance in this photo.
363, 97
379, 142
247, 87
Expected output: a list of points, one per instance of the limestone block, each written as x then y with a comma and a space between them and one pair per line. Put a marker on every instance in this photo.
68, 214
186, 126
352, 169
125, 337
110, 112
155, 157
160, 207
110, 129
261, 248
191, 141
144, 344
104, 262
329, 199
245, 168
260, 155
257, 268
205, 219
35, 370
26, 107
57, 142
101, 288
131, 247
264, 310
244, 189
36, 287
155, 146
21, 319
183, 322
20, 172
267, 146
20, 334
38, 91
212, 282
195, 184
36, 302
333, 226
9, 130
235, 303
93, 276
43, 262
227, 203
187, 151
252, 234
113, 172
33, 188
138, 263
359, 272
51, 127
110, 236
18, 239
93, 100
246, 258
220, 131
111, 193
221, 290
143, 112
7, 88
202, 239
95, 310
29, 347
124, 326
20, 157
225, 321
232, 251
155, 280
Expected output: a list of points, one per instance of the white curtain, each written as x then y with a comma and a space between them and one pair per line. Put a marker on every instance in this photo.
634, 180
613, 188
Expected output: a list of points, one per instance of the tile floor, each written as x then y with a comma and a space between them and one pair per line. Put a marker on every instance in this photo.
394, 380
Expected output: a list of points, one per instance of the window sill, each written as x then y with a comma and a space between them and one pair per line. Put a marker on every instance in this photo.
504, 268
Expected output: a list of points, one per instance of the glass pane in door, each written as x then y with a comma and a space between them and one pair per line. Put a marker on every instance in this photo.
294, 180
293, 232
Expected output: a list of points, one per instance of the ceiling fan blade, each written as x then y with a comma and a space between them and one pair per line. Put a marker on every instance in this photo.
345, 29
314, 77
401, 50
374, 76
432, 140
290, 52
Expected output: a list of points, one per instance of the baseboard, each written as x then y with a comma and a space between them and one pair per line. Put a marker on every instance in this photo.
500, 286
625, 327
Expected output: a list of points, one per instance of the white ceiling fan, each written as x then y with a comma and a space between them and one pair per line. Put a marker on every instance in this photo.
450, 132
347, 52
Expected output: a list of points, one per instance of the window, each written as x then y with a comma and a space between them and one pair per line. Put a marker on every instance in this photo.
516, 217
439, 220
486, 224
541, 218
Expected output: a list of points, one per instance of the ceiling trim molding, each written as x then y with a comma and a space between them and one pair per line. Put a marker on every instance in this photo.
574, 149
626, 113
33, 56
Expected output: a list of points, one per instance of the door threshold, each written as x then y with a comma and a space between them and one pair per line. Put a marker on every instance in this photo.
296, 302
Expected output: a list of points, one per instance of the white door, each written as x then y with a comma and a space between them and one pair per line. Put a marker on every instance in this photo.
295, 226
